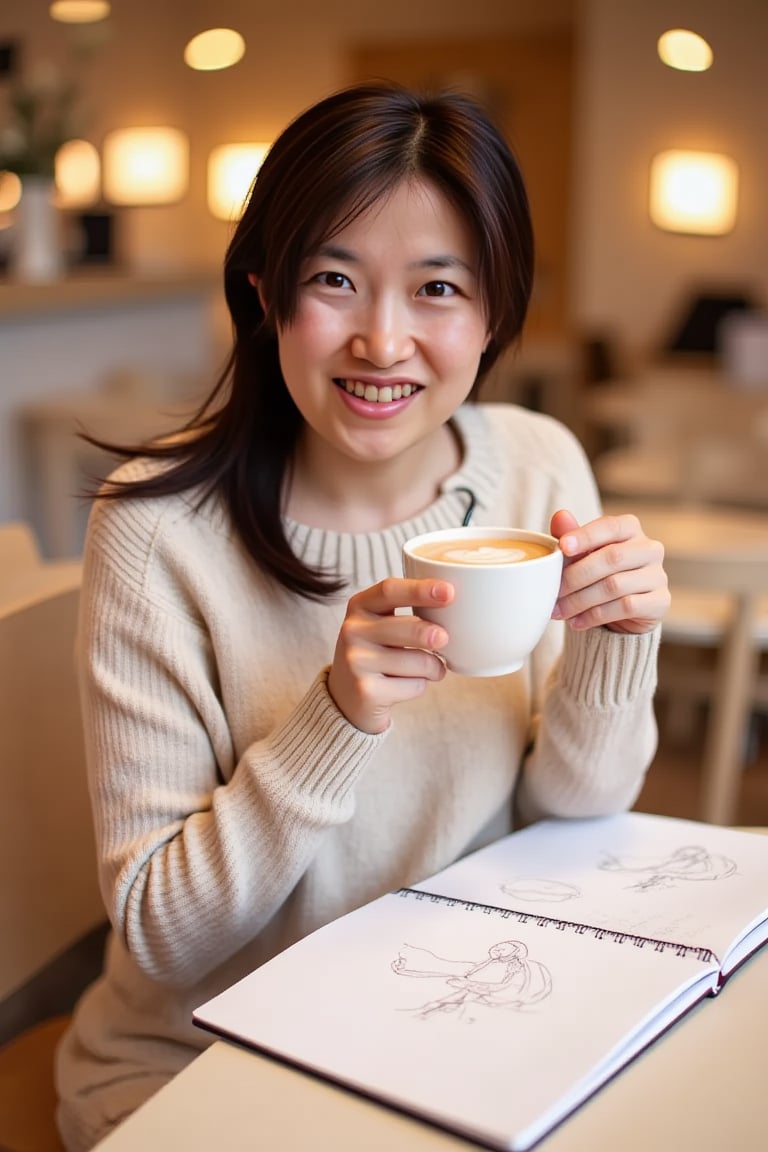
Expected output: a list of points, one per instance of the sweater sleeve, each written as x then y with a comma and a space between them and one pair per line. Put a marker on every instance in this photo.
593, 726
596, 733
196, 854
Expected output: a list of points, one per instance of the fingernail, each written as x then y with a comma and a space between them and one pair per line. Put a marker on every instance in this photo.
568, 543
557, 612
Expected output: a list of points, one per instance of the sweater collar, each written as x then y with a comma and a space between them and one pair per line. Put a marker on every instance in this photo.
368, 557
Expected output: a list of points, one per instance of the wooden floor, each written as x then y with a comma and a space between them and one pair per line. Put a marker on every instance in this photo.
672, 783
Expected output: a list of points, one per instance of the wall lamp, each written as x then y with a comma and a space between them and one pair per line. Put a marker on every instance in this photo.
144, 166
694, 192
77, 174
232, 168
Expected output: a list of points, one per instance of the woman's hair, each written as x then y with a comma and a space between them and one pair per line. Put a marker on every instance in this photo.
329, 165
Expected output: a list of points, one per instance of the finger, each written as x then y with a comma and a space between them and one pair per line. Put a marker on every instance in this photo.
579, 540
619, 589
367, 697
562, 521
395, 592
390, 633
610, 561
631, 614
396, 666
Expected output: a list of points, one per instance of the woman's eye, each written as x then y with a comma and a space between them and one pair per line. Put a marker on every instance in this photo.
438, 288
333, 280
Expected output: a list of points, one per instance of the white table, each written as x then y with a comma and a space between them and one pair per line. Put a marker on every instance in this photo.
681, 434
690, 529
700, 1088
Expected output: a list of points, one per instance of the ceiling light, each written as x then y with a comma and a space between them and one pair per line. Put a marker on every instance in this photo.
79, 11
215, 49
684, 50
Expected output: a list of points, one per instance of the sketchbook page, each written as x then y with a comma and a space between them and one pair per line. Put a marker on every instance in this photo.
488, 1027
651, 876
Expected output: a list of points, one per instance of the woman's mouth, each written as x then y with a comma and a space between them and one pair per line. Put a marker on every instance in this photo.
377, 394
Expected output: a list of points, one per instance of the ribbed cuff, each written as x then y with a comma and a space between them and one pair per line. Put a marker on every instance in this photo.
604, 669
319, 751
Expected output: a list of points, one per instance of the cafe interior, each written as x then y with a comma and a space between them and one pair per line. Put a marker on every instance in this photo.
641, 130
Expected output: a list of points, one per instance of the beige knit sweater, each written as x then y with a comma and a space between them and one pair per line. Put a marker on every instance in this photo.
236, 809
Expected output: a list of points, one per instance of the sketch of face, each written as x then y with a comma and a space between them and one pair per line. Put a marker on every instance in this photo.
507, 949
691, 854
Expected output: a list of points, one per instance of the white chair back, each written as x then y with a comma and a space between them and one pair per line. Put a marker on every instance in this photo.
737, 586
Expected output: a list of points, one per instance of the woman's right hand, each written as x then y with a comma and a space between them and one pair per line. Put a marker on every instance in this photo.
382, 658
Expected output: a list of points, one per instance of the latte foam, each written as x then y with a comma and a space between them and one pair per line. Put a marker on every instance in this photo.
483, 551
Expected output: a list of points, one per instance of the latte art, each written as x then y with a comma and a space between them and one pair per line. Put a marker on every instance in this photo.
483, 551
487, 555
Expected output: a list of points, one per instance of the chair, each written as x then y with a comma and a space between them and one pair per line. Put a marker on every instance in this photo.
49, 897
18, 546
23, 571
719, 602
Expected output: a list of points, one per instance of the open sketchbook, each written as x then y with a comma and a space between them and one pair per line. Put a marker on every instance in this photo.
494, 997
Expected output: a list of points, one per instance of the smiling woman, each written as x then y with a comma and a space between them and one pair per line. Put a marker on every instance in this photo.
272, 734
379, 355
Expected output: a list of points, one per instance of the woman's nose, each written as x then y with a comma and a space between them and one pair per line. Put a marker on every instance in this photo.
383, 335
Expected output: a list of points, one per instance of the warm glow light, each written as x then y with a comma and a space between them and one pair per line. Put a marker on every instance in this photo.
232, 169
78, 175
214, 49
10, 191
79, 11
684, 50
694, 192
145, 165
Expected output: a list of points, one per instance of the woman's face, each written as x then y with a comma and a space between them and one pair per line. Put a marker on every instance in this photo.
389, 328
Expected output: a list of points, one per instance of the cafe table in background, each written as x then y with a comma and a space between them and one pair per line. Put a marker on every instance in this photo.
679, 434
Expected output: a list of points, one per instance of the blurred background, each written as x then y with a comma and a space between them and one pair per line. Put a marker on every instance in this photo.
578, 86
130, 131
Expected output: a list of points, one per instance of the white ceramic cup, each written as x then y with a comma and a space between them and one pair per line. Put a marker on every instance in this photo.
501, 605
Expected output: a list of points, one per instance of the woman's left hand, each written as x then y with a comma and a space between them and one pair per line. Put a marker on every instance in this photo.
613, 574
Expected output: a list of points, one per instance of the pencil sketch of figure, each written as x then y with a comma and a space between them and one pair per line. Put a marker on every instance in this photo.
540, 890
505, 978
691, 862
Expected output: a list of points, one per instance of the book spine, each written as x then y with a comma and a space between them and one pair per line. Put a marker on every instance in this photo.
598, 933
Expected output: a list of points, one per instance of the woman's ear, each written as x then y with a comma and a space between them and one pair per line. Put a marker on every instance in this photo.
254, 280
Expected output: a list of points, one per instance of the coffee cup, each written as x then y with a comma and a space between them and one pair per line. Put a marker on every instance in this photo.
505, 584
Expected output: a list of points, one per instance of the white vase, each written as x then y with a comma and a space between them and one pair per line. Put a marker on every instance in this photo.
37, 255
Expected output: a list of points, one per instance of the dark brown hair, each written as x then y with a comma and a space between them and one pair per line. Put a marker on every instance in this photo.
328, 166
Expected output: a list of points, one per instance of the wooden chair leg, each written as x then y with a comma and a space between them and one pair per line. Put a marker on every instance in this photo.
724, 746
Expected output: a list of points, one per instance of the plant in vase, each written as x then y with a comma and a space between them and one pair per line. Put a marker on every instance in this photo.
42, 115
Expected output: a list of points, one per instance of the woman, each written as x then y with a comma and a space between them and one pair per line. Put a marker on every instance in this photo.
271, 740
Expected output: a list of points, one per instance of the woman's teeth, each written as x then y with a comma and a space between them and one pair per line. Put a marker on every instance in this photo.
377, 395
